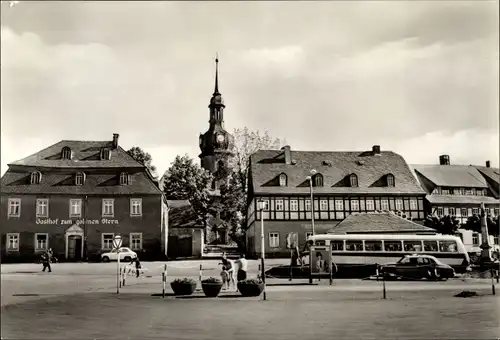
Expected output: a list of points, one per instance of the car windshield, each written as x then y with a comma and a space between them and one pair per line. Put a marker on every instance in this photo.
404, 259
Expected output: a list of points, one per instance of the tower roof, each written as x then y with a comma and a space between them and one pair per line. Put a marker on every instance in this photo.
216, 97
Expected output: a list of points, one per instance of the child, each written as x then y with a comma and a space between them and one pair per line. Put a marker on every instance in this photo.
225, 278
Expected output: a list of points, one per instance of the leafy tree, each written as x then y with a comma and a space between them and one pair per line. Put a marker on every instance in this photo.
474, 223
447, 225
233, 204
185, 180
142, 157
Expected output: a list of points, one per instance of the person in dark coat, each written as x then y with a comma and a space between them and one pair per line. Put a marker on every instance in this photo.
46, 259
137, 266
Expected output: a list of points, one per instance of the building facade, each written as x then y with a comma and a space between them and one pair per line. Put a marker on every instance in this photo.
459, 191
344, 183
74, 197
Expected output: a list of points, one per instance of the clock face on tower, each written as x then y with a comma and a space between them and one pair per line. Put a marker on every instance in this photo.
220, 138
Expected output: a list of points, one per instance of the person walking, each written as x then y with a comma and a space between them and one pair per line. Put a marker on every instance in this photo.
137, 266
242, 271
46, 259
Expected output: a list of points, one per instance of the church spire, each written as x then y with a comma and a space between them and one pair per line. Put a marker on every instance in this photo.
216, 91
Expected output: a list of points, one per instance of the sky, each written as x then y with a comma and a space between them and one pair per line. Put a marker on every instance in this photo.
417, 78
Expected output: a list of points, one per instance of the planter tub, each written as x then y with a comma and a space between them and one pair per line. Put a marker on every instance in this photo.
183, 288
250, 289
211, 289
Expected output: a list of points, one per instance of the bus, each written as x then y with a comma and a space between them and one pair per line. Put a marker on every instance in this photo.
364, 252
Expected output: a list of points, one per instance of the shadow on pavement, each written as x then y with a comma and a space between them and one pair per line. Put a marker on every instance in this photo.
291, 284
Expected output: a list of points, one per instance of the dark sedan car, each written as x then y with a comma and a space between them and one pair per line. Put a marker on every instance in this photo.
417, 267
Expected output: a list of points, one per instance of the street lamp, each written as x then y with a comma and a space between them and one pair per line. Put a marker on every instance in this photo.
310, 179
117, 243
262, 206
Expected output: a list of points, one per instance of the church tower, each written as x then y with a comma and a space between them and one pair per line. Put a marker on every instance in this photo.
216, 144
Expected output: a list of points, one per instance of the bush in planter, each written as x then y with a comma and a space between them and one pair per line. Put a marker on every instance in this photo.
184, 286
250, 287
211, 286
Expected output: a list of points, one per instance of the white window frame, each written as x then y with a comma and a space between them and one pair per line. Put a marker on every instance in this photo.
282, 180
452, 211
440, 211
275, 237
11, 205
279, 205
102, 241
323, 205
294, 205
384, 203
307, 205
42, 202
475, 236
132, 201
132, 244
370, 205
462, 212
475, 211
104, 200
74, 200
7, 243
80, 178
399, 204
413, 204
497, 211
46, 243
354, 205
339, 205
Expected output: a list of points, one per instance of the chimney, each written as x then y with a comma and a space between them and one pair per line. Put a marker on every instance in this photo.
444, 160
376, 149
487, 164
288, 154
115, 140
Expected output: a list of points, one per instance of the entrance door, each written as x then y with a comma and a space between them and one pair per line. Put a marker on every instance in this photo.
74, 248
78, 248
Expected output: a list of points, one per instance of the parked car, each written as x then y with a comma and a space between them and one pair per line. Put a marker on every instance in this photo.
417, 267
126, 254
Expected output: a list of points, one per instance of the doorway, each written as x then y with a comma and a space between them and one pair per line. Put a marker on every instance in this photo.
75, 248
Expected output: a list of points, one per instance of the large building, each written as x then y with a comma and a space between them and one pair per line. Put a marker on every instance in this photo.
344, 183
459, 191
74, 197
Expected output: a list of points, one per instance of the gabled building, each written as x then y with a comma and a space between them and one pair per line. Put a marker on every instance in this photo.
74, 197
344, 183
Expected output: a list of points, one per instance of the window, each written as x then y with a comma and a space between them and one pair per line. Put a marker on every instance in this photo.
393, 246
495, 240
497, 211
274, 240
318, 180
384, 204
36, 177
475, 211
473, 191
323, 205
412, 245
439, 211
12, 242
105, 154
14, 207
462, 191
448, 246
80, 178
468, 191
355, 205
413, 204
337, 245
390, 180
451, 211
308, 205
107, 240
42, 207
353, 180
445, 191
108, 207
475, 239
135, 241
283, 180
265, 205
66, 153
464, 212
124, 178
371, 206
339, 205
485, 192
41, 241
487, 211
354, 245
399, 204
136, 207
294, 205
430, 246
75, 208
279, 205
373, 245
452, 191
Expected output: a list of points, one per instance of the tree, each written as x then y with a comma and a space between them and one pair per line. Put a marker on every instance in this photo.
142, 157
185, 180
233, 205
474, 224
447, 225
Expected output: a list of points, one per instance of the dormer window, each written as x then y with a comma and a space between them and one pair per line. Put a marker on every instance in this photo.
283, 180
105, 154
124, 178
390, 180
318, 180
66, 153
80, 178
36, 177
353, 181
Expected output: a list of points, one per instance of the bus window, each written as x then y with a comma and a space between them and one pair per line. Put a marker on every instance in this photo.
412, 245
448, 246
393, 246
354, 245
337, 245
373, 245
320, 242
430, 246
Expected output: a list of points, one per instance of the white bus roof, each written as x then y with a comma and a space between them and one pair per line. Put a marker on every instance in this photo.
382, 237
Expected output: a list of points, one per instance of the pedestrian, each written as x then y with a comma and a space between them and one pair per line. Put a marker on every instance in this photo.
242, 271
46, 259
137, 266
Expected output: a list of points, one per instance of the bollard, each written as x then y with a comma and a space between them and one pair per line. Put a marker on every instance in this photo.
121, 275
201, 271
383, 284
377, 272
492, 282
163, 284
124, 276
